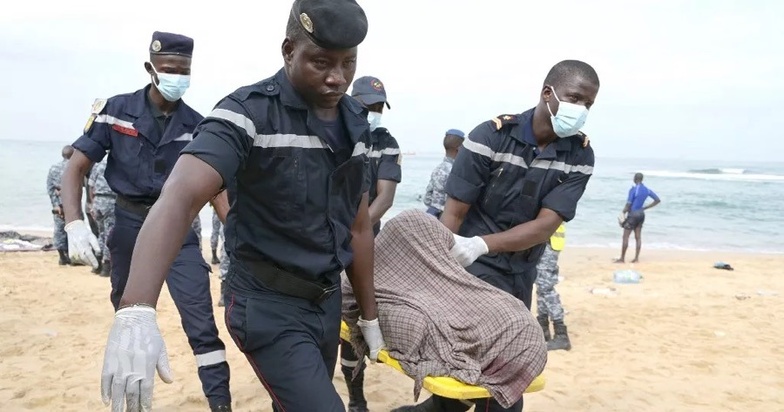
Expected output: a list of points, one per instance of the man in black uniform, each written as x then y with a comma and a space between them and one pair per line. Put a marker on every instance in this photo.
384, 154
292, 150
519, 177
385, 174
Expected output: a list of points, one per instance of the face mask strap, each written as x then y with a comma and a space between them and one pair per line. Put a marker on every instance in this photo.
552, 89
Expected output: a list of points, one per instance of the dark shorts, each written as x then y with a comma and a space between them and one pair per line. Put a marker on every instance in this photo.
634, 220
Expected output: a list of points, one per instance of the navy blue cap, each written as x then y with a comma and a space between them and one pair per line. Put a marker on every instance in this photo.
331, 24
170, 43
369, 90
455, 132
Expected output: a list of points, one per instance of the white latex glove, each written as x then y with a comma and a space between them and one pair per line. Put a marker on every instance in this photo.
134, 351
371, 331
467, 249
82, 243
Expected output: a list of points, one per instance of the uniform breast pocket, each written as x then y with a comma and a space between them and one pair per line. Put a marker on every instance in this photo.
503, 191
283, 174
127, 152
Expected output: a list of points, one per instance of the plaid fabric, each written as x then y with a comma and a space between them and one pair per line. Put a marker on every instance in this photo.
439, 320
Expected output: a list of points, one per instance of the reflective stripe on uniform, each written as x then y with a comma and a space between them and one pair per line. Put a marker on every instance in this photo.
241, 121
278, 139
359, 149
288, 140
349, 363
185, 137
556, 165
485, 151
386, 152
515, 160
211, 358
105, 118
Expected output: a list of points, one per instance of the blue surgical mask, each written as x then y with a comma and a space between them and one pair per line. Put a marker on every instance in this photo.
171, 86
569, 119
374, 118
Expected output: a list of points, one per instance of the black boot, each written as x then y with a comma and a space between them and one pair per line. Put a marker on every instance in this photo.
215, 260
545, 324
220, 408
64, 260
221, 301
356, 389
99, 269
106, 269
561, 339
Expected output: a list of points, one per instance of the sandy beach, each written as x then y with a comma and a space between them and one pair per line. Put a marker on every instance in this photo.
687, 338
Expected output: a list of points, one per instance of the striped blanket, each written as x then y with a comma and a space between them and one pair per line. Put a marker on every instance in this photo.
439, 320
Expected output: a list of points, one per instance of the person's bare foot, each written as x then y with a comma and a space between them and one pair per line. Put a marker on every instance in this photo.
619, 260
636, 261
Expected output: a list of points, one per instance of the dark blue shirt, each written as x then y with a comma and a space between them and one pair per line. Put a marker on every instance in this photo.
294, 199
385, 162
500, 173
637, 196
336, 137
141, 153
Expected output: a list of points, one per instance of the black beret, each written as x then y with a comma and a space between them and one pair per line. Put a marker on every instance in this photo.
170, 43
331, 24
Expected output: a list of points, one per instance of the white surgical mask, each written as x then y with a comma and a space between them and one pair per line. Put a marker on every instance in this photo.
171, 86
374, 118
569, 119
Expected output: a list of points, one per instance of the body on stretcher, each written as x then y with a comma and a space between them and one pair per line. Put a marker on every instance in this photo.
442, 385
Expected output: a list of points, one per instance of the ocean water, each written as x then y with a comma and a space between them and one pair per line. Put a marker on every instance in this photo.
724, 206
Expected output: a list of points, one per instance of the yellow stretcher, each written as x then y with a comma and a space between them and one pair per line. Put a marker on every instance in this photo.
442, 385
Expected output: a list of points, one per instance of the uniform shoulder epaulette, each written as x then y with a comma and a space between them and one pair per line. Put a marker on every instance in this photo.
98, 106
269, 88
264, 88
504, 120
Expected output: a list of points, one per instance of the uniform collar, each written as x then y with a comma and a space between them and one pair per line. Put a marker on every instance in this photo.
154, 110
448, 159
354, 115
375, 135
290, 97
144, 114
524, 133
138, 104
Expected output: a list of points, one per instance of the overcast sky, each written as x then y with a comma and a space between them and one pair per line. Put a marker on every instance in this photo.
680, 79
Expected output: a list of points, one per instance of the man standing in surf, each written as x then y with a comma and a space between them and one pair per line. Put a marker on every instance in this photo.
635, 216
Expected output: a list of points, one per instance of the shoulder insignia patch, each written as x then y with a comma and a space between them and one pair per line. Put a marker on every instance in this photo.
89, 124
98, 106
503, 120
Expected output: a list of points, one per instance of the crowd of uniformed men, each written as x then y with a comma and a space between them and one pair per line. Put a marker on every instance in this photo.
299, 176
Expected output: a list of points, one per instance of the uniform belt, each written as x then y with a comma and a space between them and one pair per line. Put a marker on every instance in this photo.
288, 283
138, 208
112, 195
